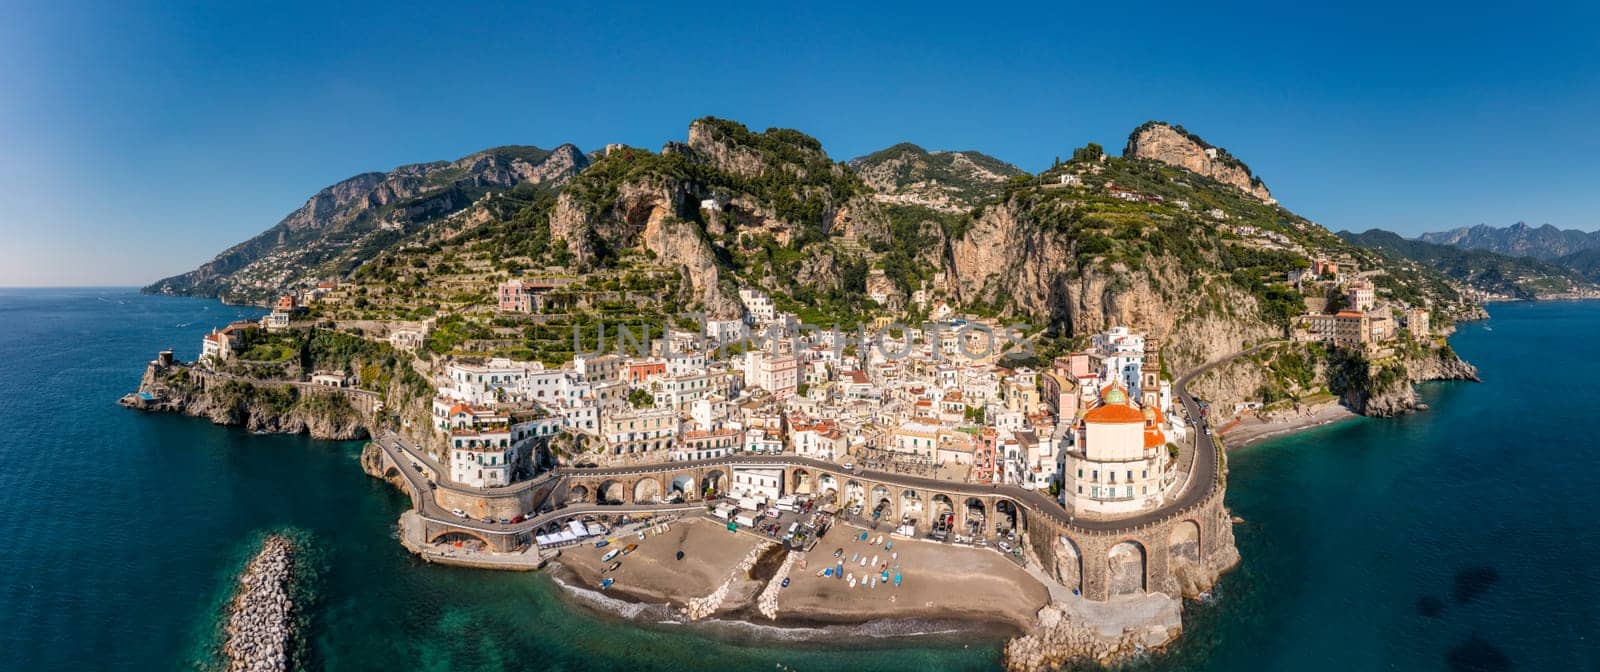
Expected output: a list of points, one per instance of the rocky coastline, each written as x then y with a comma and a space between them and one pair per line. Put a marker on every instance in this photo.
261, 628
1386, 396
267, 407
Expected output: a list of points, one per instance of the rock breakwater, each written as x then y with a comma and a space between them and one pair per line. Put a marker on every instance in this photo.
262, 615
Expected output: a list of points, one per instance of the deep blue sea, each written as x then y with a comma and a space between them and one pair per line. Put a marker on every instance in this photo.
1459, 539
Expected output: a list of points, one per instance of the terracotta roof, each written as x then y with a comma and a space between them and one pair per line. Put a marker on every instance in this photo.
1114, 414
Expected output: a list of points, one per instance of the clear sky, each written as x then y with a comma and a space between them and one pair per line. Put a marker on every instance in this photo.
138, 140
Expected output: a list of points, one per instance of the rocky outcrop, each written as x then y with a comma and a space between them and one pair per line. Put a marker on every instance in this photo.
1177, 147
653, 214
1007, 260
1077, 632
259, 406
260, 628
1387, 389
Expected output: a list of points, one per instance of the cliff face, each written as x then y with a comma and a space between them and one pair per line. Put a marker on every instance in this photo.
1176, 147
1391, 395
1009, 258
263, 408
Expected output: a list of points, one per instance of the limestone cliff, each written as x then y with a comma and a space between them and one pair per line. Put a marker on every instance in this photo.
265, 408
1010, 258
1386, 389
1175, 146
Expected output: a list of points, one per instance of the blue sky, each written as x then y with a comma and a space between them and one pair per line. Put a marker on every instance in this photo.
138, 140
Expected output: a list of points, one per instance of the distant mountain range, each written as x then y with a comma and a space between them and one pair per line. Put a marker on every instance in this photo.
1522, 277
1546, 242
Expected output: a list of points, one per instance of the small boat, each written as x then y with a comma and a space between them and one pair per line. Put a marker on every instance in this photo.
838, 552
602, 543
680, 555
874, 561
897, 580
885, 576
607, 583
629, 548
852, 581
785, 582
611, 555
874, 582
613, 567
863, 561
826, 572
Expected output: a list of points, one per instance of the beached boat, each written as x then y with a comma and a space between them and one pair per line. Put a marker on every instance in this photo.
602, 543
613, 567
607, 583
610, 555
851, 581
629, 548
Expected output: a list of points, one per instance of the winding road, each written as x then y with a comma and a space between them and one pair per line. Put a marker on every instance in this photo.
1203, 479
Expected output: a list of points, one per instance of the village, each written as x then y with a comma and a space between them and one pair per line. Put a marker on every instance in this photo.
947, 455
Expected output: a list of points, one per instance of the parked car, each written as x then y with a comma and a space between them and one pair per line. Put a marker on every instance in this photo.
849, 466
505, 521
458, 513
518, 518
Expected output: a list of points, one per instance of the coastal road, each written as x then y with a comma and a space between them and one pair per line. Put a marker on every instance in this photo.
1204, 475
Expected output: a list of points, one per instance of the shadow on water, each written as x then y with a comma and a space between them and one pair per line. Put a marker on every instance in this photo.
1477, 655
1430, 606
1473, 582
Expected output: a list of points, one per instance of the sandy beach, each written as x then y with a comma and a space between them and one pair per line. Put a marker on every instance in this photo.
939, 581
1251, 428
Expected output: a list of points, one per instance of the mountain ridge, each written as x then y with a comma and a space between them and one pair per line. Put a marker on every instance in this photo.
637, 234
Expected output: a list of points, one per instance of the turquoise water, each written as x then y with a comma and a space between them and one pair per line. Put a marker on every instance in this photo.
122, 530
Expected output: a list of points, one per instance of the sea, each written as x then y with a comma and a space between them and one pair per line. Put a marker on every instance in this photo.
1462, 538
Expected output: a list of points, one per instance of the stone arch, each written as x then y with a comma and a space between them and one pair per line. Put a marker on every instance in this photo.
1183, 542
611, 491
1009, 517
1125, 569
715, 482
800, 482
682, 485
828, 489
854, 493
647, 491
454, 535
1069, 565
578, 493
911, 507
975, 517
391, 473
881, 506
942, 513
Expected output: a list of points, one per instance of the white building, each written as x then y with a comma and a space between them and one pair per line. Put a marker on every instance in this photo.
758, 305
1119, 462
482, 458
1121, 354
758, 483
